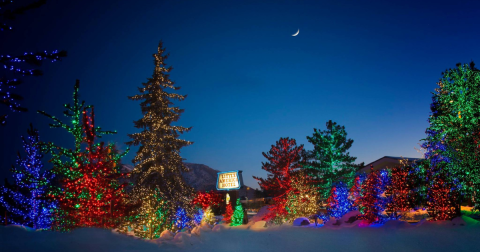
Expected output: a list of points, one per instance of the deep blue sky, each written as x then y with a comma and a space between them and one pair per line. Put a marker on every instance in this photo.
368, 65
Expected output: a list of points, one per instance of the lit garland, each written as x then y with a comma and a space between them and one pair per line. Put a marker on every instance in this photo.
331, 161
237, 218
158, 161
338, 204
283, 160
29, 204
91, 194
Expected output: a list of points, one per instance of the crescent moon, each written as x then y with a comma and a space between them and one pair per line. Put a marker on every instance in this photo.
296, 33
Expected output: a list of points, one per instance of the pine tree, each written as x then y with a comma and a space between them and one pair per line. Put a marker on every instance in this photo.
91, 194
237, 218
227, 217
30, 205
454, 125
158, 163
338, 204
329, 159
283, 160
14, 65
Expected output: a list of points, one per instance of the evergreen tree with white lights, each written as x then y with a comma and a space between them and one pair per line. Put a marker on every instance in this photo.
158, 163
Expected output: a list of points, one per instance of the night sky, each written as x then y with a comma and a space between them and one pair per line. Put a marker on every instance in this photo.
368, 65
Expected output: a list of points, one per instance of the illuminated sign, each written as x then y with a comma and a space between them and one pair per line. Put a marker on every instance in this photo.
230, 180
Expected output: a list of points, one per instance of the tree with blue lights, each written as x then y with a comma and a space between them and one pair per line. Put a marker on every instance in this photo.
182, 220
29, 204
15, 66
338, 204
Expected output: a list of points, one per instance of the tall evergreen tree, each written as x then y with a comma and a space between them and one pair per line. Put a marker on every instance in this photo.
29, 204
452, 137
158, 163
16, 66
330, 161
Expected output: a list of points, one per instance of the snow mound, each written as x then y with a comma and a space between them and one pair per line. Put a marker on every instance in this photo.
181, 237
260, 214
205, 227
349, 215
301, 221
219, 227
259, 225
166, 235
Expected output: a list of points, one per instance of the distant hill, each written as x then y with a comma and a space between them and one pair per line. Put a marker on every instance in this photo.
201, 177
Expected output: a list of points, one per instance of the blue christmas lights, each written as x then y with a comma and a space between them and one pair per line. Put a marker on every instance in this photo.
27, 201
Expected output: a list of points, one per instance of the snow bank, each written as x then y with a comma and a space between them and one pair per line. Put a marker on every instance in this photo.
302, 221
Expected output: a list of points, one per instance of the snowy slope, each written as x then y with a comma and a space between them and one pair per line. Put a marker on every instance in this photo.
458, 235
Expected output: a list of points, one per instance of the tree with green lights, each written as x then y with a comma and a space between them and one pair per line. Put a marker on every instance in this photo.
452, 141
237, 217
158, 163
90, 193
330, 161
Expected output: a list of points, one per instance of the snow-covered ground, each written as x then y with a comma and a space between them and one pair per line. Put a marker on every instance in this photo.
461, 234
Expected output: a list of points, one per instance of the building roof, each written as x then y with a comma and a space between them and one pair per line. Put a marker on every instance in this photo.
386, 162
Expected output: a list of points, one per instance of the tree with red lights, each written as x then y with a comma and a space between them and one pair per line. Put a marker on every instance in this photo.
442, 197
356, 190
283, 160
400, 196
90, 194
207, 199
227, 217
371, 199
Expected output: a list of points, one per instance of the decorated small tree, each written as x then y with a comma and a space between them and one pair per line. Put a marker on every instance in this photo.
227, 217
182, 220
372, 202
399, 192
356, 190
440, 198
338, 203
303, 199
29, 204
237, 218
208, 216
